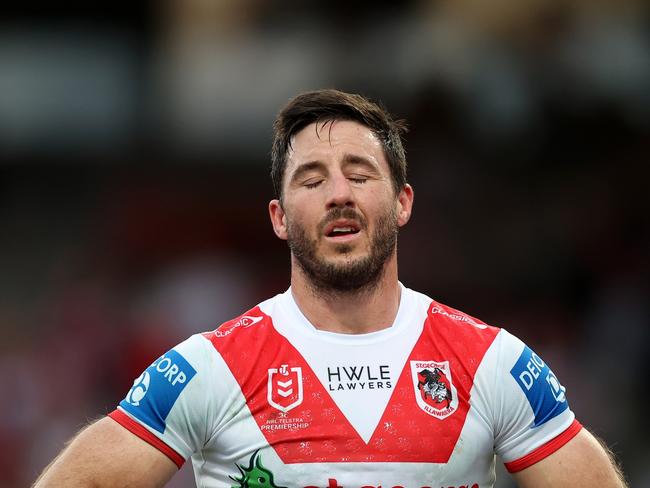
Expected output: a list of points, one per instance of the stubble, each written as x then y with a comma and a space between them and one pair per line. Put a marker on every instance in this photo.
351, 275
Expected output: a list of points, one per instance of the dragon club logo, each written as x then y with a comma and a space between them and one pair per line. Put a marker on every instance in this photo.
434, 390
285, 388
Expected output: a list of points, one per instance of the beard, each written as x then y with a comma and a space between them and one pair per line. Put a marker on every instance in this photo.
351, 275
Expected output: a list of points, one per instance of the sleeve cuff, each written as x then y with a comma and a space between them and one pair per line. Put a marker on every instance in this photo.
544, 450
132, 426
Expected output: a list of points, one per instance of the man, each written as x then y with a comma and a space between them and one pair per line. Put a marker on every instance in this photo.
348, 379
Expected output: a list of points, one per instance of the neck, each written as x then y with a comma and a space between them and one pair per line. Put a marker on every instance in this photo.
361, 311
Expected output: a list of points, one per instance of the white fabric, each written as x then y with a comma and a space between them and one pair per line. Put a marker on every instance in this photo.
211, 422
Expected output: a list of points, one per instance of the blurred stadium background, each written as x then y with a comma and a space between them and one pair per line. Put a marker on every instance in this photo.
134, 146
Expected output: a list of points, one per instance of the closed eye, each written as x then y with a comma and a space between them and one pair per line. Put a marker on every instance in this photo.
312, 184
358, 179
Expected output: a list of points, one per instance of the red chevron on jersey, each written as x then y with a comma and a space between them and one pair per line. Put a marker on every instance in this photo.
299, 419
253, 356
444, 341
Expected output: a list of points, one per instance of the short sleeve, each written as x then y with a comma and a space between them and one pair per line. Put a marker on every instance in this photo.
533, 418
167, 405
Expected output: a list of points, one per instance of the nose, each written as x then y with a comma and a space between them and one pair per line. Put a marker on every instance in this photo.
340, 194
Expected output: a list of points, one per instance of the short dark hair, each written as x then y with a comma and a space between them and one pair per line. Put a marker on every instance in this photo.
329, 105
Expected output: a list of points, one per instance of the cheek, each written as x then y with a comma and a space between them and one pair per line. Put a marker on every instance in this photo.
301, 217
383, 207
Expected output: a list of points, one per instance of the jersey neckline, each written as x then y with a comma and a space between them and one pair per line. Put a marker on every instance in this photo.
303, 326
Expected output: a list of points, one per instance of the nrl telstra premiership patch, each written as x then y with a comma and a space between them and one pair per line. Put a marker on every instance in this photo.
542, 389
155, 391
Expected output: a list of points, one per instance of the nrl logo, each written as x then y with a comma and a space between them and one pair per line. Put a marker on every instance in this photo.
434, 390
285, 388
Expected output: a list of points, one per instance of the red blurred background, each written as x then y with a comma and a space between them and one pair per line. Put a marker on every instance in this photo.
134, 146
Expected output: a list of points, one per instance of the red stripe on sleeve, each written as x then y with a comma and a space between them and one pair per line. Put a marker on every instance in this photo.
544, 450
131, 425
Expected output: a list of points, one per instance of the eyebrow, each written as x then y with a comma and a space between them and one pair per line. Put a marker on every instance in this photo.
360, 160
306, 168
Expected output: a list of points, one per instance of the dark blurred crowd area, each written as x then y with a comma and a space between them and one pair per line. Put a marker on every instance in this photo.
134, 159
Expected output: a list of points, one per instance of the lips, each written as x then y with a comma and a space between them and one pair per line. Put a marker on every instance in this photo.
342, 228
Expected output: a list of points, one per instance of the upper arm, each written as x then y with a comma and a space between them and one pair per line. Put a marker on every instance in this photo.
531, 412
582, 461
106, 454
536, 433
160, 423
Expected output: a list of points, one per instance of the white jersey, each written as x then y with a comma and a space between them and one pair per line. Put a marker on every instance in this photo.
267, 400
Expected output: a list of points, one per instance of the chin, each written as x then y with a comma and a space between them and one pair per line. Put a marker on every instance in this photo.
343, 249
345, 259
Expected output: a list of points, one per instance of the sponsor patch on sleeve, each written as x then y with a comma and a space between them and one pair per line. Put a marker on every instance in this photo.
544, 392
155, 391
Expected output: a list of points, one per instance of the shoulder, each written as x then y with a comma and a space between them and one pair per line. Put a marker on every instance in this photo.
252, 325
447, 320
459, 319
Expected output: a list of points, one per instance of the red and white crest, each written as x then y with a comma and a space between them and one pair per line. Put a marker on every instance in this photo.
434, 390
285, 388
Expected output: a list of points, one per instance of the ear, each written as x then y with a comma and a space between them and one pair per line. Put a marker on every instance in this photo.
405, 204
278, 219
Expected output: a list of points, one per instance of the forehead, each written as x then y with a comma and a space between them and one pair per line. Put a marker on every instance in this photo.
330, 140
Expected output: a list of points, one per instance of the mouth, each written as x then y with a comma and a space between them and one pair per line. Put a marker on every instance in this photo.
342, 230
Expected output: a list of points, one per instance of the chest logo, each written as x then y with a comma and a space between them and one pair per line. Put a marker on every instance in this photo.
434, 390
285, 388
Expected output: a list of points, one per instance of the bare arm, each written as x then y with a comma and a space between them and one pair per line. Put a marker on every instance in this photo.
582, 461
105, 454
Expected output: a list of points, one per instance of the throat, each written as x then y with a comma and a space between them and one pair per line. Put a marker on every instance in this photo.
360, 312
